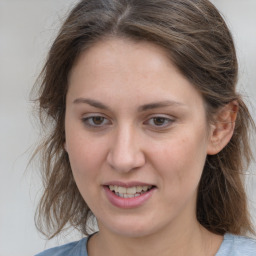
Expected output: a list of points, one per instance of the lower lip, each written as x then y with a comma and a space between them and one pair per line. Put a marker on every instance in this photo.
127, 203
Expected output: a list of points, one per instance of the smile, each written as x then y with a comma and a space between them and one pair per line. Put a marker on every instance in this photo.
128, 196
130, 192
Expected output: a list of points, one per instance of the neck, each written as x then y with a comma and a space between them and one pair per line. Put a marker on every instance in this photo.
194, 240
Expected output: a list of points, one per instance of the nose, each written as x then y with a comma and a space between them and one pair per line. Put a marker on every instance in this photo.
125, 153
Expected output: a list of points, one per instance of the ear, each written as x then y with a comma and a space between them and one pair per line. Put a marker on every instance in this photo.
223, 127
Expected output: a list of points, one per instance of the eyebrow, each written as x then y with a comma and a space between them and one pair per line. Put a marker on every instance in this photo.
160, 104
93, 103
154, 105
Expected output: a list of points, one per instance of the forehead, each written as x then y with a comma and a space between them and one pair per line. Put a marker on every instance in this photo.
121, 68
124, 55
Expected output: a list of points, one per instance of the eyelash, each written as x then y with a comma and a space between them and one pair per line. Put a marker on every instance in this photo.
165, 122
88, 121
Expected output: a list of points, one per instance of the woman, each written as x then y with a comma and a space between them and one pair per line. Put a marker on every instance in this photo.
148, 133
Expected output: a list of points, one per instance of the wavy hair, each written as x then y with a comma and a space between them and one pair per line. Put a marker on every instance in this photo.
200, 45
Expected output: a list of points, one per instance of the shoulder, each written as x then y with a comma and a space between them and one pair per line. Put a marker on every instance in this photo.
77, 248
237, 246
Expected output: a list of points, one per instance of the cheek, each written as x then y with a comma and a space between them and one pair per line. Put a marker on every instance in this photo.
180, 162
84, 154
85, 161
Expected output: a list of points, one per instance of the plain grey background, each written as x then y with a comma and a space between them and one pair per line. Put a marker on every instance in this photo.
27, 28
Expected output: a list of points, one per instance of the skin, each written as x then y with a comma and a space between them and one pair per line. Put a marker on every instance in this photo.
111, 135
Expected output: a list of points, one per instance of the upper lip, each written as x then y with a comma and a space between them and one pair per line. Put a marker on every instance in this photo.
127, 184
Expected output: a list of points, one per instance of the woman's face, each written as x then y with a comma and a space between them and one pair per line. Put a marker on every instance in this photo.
136, 136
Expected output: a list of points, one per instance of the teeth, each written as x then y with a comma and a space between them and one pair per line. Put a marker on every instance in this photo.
139, 189
128, 196
145, 188
129, 192
121, 190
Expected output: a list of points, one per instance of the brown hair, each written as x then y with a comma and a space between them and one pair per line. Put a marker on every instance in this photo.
199, 43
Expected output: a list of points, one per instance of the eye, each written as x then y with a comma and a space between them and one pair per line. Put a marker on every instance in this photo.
159, 122
96, 121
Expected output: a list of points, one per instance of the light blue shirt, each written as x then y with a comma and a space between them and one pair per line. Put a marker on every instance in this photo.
237, 246
231, 246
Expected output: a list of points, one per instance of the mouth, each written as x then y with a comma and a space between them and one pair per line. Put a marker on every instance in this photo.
129, 192
128, 195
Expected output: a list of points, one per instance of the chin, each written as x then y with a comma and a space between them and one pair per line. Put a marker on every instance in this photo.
129, 227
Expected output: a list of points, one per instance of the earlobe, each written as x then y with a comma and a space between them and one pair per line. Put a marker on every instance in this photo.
223, 128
